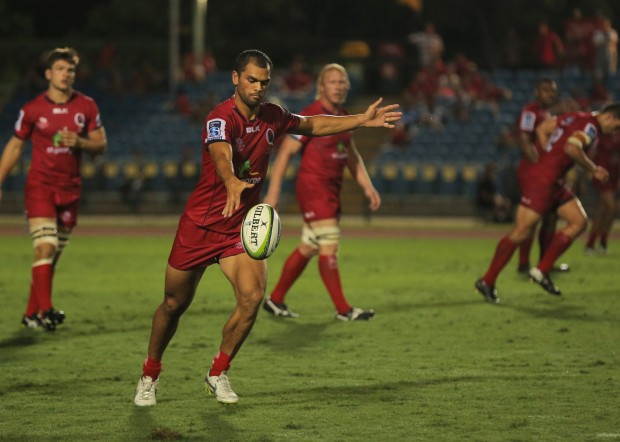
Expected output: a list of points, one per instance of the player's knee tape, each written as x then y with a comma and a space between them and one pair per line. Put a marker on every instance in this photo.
63, 241
321, 236
44, 233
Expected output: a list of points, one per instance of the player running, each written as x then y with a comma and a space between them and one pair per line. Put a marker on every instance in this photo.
532, 114
564, 140
62, 123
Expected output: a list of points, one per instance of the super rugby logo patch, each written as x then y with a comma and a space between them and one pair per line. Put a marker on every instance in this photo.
590, 131
216, 129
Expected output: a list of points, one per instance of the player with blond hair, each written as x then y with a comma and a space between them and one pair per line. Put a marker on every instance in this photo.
318, 187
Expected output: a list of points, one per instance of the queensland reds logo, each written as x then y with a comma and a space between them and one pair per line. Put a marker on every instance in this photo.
270, 136
79, 119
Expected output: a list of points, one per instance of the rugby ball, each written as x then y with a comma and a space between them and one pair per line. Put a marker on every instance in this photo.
260, 231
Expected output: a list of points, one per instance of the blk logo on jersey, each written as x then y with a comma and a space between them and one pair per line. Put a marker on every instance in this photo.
249, 130
60, 110
216, 129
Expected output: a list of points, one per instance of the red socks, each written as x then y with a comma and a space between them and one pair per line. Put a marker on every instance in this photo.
503, 253
328, 268
42, 286
293, 267
221, 362
151, 368
33, 304
524, 251
559, 244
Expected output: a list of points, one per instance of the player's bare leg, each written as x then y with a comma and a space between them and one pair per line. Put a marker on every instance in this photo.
576, 223
249, 280
525, 223
179, 290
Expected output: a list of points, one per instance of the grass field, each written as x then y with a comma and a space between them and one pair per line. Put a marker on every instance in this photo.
437, 363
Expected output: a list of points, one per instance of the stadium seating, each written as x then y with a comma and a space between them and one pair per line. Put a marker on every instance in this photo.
444, 161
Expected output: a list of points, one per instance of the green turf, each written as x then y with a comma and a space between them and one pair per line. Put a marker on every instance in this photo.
437, 363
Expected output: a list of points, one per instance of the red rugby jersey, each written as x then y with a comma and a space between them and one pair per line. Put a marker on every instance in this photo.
554, 163
41, 120
252, 142
324, 157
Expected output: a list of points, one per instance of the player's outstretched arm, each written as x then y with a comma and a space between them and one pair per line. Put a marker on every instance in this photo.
10, 156
374, 116
289, 147
222, 158
574, 149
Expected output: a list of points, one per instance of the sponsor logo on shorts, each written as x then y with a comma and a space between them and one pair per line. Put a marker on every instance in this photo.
216, 129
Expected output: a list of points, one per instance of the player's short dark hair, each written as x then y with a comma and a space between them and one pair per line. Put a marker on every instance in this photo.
259, 58
67, 54
612, 108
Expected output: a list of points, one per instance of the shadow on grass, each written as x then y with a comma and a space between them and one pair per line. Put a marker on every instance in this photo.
296, 336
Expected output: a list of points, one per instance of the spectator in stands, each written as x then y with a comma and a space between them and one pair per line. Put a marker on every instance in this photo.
512, 48
297, 80
488, 198
548, 47
133, 186
578, 41
605, 41
429, 45
182, 104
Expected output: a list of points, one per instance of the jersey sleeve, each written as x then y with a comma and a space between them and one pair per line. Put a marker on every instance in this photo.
94, 117
527, 121
217, 128
24, 124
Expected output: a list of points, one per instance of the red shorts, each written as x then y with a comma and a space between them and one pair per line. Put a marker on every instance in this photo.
197, 247
48, 202
543, 197
318, 201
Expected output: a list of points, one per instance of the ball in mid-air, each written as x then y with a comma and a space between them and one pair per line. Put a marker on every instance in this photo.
260, 231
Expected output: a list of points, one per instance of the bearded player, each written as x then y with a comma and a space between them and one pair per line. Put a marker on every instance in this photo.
237, 138
318, 185
564, 140
62, 124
